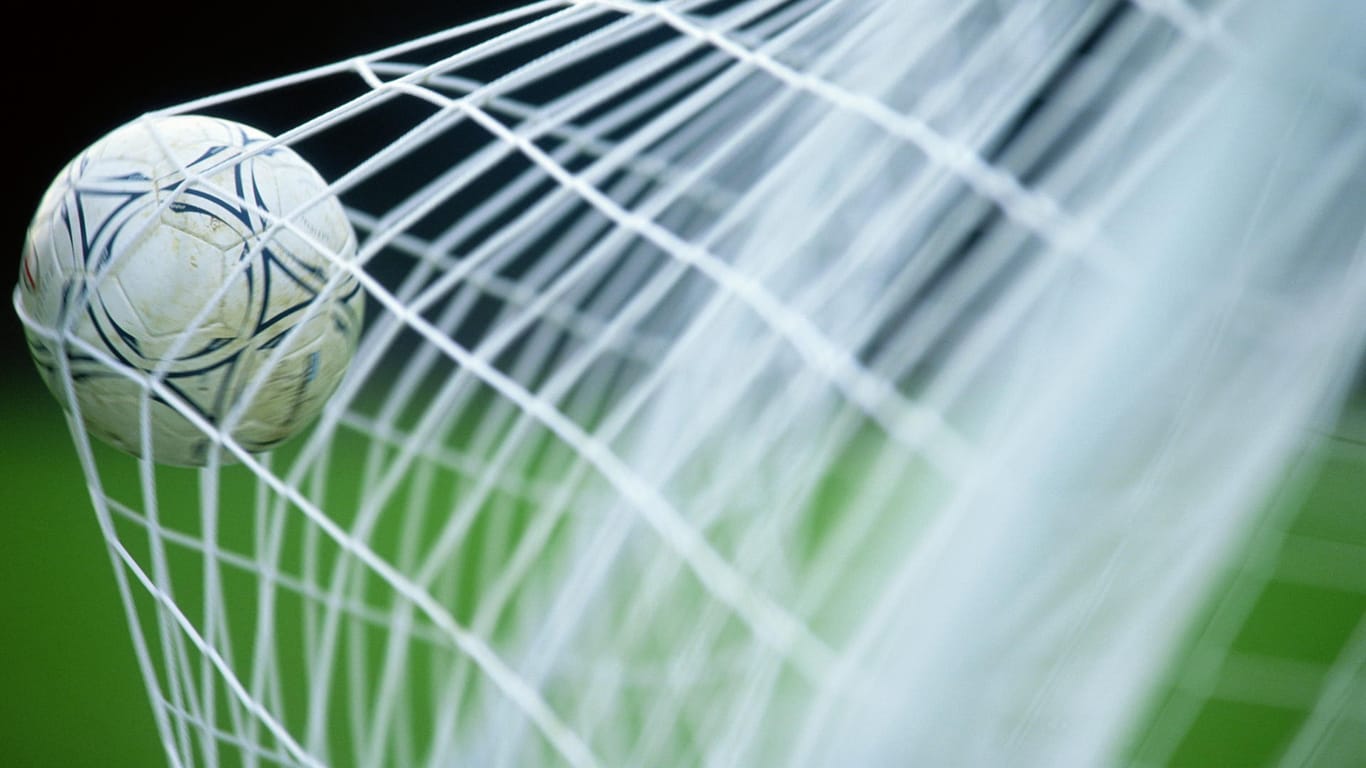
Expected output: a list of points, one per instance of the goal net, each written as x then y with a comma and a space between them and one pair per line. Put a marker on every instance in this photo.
799, 382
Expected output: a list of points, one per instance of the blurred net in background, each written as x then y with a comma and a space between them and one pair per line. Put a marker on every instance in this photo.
802, 382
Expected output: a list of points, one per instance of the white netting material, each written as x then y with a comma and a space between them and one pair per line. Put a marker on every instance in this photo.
773, 382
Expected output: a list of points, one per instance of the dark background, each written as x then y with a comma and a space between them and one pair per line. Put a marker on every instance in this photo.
72, 695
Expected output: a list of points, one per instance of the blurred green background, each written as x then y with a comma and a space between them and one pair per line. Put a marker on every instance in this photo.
72, 692
1238, 693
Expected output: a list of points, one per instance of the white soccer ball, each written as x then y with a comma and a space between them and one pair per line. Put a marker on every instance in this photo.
208, 287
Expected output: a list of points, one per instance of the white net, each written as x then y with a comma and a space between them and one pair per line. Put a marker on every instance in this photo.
811, 382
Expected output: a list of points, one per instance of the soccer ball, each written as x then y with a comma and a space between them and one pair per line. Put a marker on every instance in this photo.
189, 254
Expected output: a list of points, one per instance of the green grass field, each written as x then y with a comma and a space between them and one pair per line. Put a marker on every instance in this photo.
73, 694
1278, 640
1251, 673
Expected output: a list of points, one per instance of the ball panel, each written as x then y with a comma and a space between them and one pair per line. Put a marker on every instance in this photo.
297, 190
164, 294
